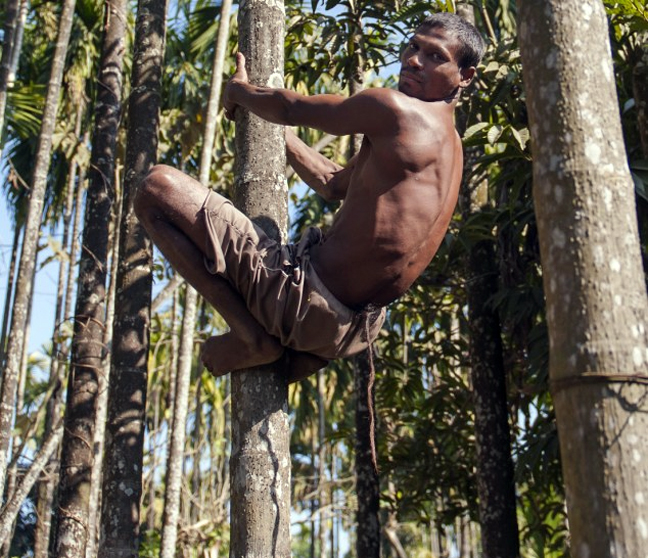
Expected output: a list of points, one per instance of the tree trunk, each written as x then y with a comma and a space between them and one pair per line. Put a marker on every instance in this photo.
177, 433
102, 399
367, 481
11, 276
321, 460
12, 507
47, 487
176, 449
122, 482
495, 474
596, 298
367, 478
11, 9
89, 322
495, 471
260, 510
32, 229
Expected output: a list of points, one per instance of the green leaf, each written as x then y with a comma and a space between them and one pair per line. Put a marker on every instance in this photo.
494, 133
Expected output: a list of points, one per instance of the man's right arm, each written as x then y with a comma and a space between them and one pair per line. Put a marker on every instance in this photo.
327, 178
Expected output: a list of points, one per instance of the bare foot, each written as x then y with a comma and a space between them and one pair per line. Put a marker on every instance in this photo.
301, 365
224, 353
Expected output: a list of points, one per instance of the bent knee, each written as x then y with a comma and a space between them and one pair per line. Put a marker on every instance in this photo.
157, 185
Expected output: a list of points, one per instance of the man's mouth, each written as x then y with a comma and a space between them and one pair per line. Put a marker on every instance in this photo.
409, 75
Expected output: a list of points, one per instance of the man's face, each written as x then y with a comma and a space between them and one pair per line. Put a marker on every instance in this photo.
429, 70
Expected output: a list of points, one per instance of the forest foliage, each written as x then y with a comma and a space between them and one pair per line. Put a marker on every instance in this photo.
426, 439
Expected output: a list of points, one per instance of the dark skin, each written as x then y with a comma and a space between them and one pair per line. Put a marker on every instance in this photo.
399, 193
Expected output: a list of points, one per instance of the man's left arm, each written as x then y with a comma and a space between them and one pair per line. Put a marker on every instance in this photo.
326, 177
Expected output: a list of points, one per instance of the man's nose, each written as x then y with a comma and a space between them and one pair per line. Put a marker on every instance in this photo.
414, 61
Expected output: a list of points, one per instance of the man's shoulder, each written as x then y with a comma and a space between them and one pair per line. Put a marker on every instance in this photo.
386, 96
404, 105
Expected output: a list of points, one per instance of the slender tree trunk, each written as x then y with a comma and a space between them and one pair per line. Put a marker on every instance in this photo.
11, 276
367, 481
102, 399
89, 323
12, 507
213, 104
495, 471
11, 14
367, 478
321, 460
122, 482
495, 474
260, 510
47, 486
18, 41
177, 435
597, 311
32, 228
171, 286
176, 449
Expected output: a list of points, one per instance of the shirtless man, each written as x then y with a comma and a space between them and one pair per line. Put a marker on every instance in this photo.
399, 195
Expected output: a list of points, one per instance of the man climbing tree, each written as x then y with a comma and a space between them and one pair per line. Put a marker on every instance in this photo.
324, 297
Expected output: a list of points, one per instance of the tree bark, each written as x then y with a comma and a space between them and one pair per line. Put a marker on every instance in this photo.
122, 482
176, 449
32, 229
495, 473
367, 481
11, 13
495, 470
260, 481
11, 276
89, 322
177, 434
12, 507
103, 386
47, 487
597, 309
367, 478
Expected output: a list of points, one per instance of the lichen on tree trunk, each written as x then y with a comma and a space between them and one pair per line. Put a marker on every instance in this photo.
593, 279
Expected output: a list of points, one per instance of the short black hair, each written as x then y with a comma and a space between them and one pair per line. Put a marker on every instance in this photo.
472, 44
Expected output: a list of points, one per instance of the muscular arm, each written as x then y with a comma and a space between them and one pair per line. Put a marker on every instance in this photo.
372, 112
327, 178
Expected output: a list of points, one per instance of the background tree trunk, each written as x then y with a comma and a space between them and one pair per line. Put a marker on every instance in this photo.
367, 478
122, 482
260, 510
89, 322
367, 481
11, 15
177, 434
11, 276
104, 383
176, 449
47, 487
495, 470
596, 297
30, 241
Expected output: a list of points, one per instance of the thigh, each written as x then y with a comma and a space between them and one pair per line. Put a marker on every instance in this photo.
174, 197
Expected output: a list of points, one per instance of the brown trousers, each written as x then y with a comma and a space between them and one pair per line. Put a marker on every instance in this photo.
280, 287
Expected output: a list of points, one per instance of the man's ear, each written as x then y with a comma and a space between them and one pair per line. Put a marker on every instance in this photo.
467, 75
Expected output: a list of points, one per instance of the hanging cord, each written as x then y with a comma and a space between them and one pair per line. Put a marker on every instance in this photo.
370, 397
562, 384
